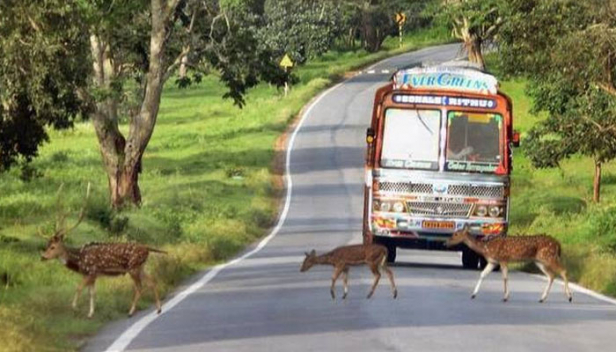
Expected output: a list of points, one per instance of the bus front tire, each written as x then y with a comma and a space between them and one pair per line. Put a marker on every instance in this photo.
391, 248
470, 259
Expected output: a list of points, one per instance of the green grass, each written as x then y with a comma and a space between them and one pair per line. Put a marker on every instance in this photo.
208, 191
559, 202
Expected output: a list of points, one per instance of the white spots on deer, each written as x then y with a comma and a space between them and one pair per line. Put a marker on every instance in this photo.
543, 250
95, 259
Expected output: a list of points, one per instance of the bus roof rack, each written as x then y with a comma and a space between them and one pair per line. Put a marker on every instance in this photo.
459, 63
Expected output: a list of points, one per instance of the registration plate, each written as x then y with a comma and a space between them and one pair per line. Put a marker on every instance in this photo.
438, 225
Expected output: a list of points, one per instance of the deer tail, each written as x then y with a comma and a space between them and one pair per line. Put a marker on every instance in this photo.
156, 250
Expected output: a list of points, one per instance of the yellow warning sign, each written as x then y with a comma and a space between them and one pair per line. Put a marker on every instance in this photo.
400, 18
286, 61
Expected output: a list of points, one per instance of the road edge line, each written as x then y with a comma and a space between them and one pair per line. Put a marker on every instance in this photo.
121, 342
582, 290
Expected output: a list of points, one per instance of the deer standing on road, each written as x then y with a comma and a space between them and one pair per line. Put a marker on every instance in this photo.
543, 250
341, 258
95, 259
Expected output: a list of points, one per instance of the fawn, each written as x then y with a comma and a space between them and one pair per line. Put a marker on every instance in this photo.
95, 259
543, 250
341, 258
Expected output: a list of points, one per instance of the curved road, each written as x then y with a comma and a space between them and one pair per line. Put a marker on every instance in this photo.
263, 303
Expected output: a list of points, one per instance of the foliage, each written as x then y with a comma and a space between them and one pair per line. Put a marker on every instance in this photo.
39, 73
568, 53
304, 29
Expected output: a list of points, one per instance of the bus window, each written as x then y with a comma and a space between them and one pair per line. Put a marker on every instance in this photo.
473, 141
411, 139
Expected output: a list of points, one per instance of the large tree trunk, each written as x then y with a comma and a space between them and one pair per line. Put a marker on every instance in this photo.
472, 42
597, 183
122, 157
474, 51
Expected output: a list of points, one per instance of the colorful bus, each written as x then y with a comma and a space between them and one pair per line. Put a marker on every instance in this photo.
439, 153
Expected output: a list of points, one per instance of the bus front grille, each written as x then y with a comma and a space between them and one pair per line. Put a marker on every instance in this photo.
476, 191
439, 209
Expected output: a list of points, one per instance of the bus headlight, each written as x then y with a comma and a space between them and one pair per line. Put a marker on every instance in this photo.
494, 211
481, 211
385, 206
399, 207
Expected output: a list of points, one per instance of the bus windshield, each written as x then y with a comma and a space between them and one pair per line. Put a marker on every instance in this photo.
474, 142
411, 139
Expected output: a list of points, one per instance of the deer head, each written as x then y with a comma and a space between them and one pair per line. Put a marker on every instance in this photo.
458, 236
309, 261
55, 245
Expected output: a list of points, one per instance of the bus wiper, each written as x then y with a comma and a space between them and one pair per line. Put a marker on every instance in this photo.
424, 123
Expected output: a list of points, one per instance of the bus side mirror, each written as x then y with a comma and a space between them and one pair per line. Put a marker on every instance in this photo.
370, 135
515, 141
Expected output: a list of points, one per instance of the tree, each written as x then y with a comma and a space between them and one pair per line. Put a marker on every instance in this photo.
111, 59
36, 37
303, 29
475, 22
568, 50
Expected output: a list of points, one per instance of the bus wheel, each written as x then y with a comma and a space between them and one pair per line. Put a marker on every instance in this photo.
470, 259
391, 253
391, 247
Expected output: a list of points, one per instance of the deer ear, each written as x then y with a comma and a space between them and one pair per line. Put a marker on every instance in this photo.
306, 253
313, 252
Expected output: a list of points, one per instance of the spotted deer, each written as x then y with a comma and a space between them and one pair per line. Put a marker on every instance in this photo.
341, 258
543, 250
95, 259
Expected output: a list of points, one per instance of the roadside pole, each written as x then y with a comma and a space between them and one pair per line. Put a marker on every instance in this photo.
400, 19
286, 63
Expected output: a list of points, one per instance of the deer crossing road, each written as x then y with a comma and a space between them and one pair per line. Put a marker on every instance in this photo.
263, 302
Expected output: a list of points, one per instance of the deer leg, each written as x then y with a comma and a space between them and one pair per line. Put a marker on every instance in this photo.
390, 276
332, 289
136, 276
488, 269
377, 277
345, 281
563, 274
151, 282
78, 292
558, 268
505, 272
550, 276
92, 290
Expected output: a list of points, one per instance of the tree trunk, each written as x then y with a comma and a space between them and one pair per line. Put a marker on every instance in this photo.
122, 156
597, 183
474, 51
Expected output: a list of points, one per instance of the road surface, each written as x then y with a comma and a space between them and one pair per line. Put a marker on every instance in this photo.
263, 303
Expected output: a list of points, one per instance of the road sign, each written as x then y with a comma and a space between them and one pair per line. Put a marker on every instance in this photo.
400, 18
286, 61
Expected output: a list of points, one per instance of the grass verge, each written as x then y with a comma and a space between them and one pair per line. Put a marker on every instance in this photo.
208, 192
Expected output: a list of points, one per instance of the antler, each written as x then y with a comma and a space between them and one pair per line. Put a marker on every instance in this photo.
82, 213
40, 233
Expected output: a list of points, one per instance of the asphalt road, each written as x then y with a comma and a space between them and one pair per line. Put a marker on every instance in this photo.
263, 303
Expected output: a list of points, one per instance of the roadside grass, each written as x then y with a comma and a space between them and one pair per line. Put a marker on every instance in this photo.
559, 202
208, 191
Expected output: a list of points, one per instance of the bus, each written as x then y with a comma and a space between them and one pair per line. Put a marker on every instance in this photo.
439, 156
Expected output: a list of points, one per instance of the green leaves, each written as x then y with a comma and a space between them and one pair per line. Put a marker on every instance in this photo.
41, 71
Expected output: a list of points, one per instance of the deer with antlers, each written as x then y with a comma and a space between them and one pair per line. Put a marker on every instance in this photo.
96, 259
341, 258
543, 250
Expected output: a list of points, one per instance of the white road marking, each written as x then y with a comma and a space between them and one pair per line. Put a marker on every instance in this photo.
582, 290
133, 331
